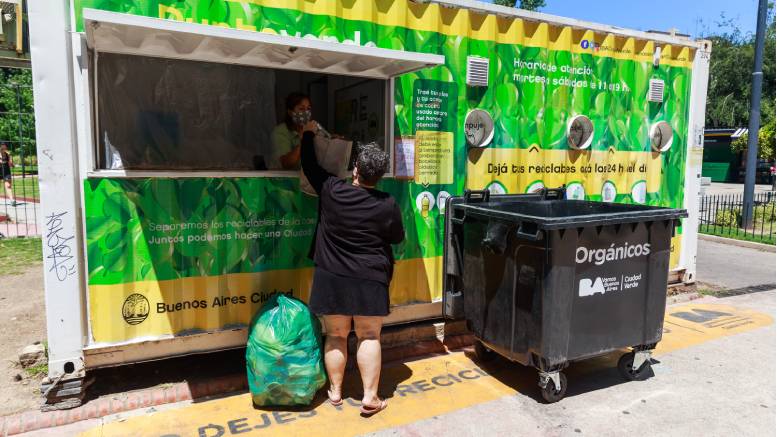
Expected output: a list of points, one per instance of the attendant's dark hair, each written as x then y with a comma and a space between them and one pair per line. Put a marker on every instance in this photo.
292, 100
372, 163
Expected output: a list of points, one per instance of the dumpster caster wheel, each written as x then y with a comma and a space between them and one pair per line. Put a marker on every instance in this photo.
482, 353
551, 393
627, 370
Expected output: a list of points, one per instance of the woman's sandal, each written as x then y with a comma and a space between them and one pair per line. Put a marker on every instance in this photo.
369, 410
334, 402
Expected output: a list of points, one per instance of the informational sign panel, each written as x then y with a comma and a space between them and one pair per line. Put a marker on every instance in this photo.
434, 106
434, 157
434, 124
404, 158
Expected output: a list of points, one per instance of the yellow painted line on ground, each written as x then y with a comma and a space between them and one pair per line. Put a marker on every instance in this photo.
421, 389
429, 387
691, 324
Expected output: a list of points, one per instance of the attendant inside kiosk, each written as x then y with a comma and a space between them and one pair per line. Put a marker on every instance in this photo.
167, 114
180, 97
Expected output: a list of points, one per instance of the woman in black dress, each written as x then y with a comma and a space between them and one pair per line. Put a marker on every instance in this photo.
6, 162
357, 225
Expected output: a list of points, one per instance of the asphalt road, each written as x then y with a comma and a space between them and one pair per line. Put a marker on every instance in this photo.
718, 188
733, 266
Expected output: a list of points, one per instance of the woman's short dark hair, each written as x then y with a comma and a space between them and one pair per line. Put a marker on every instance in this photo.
372, 163
292, 100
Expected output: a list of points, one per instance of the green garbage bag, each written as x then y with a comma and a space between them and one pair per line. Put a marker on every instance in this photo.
283, 356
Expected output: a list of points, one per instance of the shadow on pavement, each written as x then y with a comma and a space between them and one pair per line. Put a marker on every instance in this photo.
582, 377
190, 369
203, 368
585, 376
390, 378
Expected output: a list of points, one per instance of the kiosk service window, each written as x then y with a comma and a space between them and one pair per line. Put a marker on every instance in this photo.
165, 114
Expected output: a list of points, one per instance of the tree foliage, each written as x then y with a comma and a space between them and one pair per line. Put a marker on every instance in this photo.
529, 5
728, 94
17, 121
766, 135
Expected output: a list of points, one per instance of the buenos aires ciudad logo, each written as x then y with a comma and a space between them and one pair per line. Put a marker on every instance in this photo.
135, 309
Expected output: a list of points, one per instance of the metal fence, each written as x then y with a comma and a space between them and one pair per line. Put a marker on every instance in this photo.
723, 215
19, 191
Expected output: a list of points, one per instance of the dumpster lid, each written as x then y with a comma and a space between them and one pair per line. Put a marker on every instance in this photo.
560, 214
136, 35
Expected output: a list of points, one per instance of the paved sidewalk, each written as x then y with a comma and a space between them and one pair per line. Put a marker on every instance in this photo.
698, 388
21, 220
714, 375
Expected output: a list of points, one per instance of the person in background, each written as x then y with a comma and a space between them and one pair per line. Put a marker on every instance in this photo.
287, 135
6, 162
354, 263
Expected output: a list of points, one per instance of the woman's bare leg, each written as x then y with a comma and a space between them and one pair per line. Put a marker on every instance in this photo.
9, 190
368, 356
336, 351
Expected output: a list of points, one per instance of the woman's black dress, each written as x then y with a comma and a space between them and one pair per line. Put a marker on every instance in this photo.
352, 246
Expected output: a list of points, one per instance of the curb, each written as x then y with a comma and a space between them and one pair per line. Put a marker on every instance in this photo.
683, 298
187, 391
23, 199
35, 420
741, 243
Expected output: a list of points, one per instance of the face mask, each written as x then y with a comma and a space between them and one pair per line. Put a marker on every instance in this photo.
301, 117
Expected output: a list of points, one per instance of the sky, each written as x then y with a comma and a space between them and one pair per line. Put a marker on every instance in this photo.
688, 16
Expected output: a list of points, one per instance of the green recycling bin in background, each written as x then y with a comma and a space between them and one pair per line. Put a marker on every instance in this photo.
544, 281
716, 171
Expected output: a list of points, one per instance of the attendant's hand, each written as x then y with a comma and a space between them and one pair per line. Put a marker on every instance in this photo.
311, 126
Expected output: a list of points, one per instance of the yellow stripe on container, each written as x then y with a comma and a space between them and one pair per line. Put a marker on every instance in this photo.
480, 175
415, 281
432, 17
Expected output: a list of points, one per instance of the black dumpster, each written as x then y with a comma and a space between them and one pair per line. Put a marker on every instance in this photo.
544, 281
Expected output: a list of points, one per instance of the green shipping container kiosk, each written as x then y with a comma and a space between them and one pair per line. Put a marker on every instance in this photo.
168, 220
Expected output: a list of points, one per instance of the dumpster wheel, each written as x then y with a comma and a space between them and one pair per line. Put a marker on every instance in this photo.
550, 392
482, 353
627, 370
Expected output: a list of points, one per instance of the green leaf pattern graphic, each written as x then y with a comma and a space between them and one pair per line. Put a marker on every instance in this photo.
120, 211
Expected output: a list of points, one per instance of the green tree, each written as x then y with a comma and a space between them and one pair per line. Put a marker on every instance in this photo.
529, 5
728, 94
17, 120
766, 135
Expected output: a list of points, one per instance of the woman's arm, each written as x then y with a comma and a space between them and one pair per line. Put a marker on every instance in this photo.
313, 171
289, 161
397, 230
